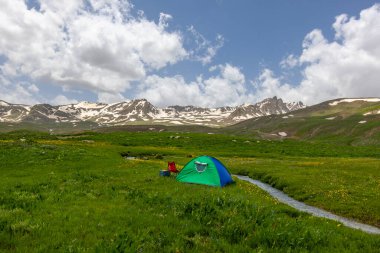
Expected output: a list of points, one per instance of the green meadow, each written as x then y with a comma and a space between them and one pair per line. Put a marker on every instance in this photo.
78, 193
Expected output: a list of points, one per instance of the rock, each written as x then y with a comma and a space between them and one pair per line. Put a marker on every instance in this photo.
88, 141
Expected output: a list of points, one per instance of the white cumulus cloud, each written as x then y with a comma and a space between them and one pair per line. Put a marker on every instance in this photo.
226, 87
102, 47
91, 45
347, 66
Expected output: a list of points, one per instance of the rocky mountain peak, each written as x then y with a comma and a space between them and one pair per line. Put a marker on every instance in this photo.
88, 105
3, 103
142, 110
267, 106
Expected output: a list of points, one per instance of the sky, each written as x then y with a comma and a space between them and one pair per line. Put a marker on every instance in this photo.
190, 52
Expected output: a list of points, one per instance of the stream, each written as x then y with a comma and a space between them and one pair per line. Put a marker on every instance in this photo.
282, 197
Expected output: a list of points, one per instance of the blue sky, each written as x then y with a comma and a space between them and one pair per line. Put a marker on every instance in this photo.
257, 33
207, 53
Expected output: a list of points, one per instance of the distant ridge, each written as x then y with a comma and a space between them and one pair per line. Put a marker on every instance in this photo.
142, 111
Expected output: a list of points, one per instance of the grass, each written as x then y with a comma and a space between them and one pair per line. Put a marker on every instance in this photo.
322, 123
346, 186
77, 193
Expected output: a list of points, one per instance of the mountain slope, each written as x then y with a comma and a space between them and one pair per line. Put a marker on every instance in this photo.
266, 107
47, 113
83, 110
350, 120
12, 112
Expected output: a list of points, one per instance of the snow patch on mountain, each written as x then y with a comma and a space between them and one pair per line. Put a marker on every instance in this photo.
372, 113
266, 107
349, 100
3, 103
142, 110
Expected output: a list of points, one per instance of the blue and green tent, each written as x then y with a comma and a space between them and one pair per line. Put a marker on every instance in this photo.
205, 170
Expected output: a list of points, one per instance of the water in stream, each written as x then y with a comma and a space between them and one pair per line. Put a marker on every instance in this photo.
282, 197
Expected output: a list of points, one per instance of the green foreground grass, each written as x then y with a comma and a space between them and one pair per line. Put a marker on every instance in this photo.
349, 187
77, 193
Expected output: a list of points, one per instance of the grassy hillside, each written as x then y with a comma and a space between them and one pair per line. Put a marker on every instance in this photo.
77, 193
345, 122
54, 128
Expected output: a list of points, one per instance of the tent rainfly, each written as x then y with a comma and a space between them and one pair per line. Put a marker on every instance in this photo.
205, 170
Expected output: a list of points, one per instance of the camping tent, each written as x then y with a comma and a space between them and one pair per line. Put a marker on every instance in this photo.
205, 170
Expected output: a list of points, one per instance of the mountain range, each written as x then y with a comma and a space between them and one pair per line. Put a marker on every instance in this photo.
355, 121
141, 111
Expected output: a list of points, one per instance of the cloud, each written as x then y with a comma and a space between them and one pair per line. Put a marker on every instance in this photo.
92, 45
102, 47
204, 50
17, 92
164, 18
289, 62
33, 88
164, 91
226, 87
63, 100
347, 66
268, 85
107, 97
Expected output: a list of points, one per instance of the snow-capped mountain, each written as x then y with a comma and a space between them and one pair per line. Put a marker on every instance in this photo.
194, 115
13, 112
266, 107
126, 112
141, 110
83, 110
45, 112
